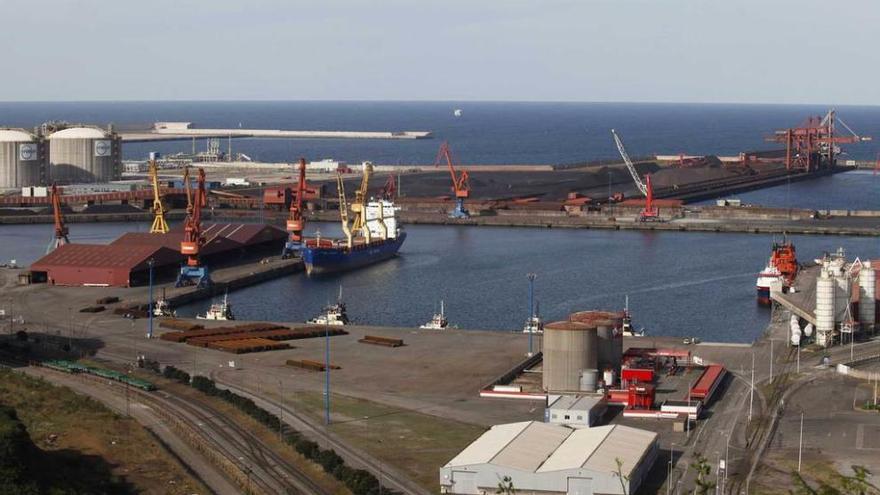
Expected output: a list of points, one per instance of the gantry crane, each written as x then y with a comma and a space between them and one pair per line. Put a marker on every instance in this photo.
295, 221
343, 210
160, 226
460, 182
815, 144
650, 212
60, 228
359, 206
193, 272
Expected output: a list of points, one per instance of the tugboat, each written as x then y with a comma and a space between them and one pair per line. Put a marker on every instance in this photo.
534, 324
438, 322
782, 268
162, 308
220, 312
333, 314
627, 328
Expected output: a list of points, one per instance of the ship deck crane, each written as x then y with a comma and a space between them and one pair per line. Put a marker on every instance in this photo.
295, 221
160, 226
460, 182
359, 206
61, 230
650, 212
193, 272
343, 210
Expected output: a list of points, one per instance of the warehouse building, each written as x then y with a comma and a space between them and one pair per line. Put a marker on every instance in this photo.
547, 459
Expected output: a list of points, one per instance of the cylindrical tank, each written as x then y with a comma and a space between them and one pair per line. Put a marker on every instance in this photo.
842, 295
608, 377
84, 154
795, 336
589, 378
610, 344
825, 287
808, 330
867, 294
22, 159
569, 348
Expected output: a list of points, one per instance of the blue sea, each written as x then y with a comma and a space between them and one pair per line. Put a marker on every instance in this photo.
487, 132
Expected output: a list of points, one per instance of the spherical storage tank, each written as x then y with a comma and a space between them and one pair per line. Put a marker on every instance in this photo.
84, 154
22, 159
569, 349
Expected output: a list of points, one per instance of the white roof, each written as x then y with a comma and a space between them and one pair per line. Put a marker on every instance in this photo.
583, 403
542, 447
79, 133
14, 135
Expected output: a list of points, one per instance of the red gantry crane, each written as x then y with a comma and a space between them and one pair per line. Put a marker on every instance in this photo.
193, 272
650, 212
60, 228
389, 190
814, 145
460, 182
295, 221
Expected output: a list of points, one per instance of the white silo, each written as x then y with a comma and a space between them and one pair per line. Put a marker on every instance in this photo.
825, 288
867, 294
569, 350
22, 159
84, 154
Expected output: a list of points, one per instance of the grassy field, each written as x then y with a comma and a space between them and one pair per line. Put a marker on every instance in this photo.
89, 448
417, 444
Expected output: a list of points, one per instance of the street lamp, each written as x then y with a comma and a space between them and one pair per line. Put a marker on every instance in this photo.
150, 263
531, 277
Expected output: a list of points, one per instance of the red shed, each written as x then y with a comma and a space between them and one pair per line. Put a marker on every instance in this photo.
94, 264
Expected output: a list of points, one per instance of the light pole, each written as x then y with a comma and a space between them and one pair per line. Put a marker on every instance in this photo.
669, 469
150, 263
771, 360
752, 388
531, 277
327, 374
801, 442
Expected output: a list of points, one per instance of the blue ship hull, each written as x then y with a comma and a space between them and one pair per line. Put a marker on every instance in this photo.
322, 260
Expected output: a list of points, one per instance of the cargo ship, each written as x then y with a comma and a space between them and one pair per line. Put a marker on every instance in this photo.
781, 270
373, 236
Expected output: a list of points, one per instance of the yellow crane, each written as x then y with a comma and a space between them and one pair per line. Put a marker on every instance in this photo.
160, 226
359, 207
343, 210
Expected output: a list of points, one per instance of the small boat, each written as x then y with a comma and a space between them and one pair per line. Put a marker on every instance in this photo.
627, 329
220, 312
162, 308
534, 324
457, 112
438, 322
333, 314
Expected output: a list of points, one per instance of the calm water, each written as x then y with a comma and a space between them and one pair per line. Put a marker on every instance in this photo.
486, 132
678, 283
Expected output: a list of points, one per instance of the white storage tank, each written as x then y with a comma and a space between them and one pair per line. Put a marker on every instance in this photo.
589, 380
84, 154
867, 294
23, 159
569, 349
825, 288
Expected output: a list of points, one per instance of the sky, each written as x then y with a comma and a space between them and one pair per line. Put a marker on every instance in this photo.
739, 51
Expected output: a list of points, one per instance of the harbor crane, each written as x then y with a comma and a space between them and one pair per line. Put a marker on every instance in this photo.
650, 212
60, 227
193, 272
389, 190
814, 145
343, 210
160, 226
460, 182
295, 221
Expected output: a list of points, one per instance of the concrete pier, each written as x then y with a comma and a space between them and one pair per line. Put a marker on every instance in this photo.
185, 134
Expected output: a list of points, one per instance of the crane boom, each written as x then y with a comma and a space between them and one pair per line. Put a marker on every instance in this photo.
343, 209
60, 228
295, 222
359, 206
629, 164
460, 182
160, 226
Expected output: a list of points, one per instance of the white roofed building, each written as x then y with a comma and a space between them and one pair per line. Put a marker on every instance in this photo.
543, 458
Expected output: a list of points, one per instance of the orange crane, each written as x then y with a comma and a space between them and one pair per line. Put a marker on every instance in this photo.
193, 272
460, 182
389, 190
295, 221
60, 228
815, 144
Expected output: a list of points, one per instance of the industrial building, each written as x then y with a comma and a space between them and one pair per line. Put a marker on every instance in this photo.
84, 154
23, 159
123, 263
575, 411
543, 458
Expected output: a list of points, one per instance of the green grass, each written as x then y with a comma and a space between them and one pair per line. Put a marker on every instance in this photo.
417, 444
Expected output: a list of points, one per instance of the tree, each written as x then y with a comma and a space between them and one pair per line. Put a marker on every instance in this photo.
505, 486
624, 479
705, 485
